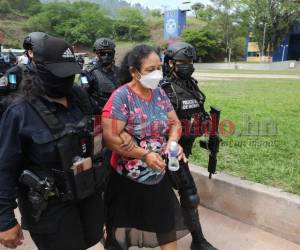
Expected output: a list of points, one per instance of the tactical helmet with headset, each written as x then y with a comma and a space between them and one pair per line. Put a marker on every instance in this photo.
105, 49
33, 37
13, 76
182, 51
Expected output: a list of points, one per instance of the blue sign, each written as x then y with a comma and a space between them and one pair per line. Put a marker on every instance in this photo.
174, 23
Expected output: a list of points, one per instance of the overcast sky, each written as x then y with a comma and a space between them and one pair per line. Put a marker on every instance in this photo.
170, 4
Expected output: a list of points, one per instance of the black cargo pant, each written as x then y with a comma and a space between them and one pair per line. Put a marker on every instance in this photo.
80, 228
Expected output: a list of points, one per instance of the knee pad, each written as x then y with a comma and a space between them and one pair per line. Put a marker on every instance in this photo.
189, 201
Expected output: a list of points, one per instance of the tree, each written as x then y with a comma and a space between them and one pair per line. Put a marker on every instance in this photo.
79, 22
196, 6
34, 9
224, 18
202, 12
4, 7
23, 5
39, 22
206, 42
131, 25
155, 13
271, 20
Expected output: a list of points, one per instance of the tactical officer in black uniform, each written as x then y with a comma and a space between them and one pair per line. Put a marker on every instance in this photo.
102, 79
4, 64
47, 156
188, 102
10, 82
165, 63
4, 92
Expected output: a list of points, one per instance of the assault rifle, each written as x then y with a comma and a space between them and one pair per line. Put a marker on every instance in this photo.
213, 142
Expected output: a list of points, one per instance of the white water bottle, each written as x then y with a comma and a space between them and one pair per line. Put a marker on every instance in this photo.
173, 164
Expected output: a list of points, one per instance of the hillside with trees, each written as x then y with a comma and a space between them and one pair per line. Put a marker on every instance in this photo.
80, 22
226, 23
110, 6
217, 30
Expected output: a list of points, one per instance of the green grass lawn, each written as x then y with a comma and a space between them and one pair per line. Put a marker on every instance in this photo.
242, 71
272, 159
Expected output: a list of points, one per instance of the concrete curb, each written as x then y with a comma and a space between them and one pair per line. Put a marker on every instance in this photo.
264, 207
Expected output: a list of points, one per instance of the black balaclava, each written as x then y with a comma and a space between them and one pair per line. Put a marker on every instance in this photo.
55, 87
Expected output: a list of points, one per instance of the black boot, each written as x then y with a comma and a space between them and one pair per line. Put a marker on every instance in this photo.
110, 242
189, 200
199, 242
202, 245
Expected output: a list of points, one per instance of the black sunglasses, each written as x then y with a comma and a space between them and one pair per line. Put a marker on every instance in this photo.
104, 53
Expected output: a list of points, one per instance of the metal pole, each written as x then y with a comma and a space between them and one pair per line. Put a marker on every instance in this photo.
264, 39
283, 52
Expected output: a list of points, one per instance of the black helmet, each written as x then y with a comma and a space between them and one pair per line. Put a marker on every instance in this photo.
181, 51
104, 43
32, 38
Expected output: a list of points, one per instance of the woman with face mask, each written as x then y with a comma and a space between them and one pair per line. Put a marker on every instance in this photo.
142, 209
47, 157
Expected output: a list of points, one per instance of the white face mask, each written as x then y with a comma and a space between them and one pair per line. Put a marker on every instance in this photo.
151, 80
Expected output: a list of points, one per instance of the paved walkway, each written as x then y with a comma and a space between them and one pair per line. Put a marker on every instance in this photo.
225, 233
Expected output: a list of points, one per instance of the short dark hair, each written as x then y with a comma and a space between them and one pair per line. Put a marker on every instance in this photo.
134, 58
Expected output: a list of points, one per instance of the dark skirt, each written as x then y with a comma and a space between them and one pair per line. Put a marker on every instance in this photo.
143, 215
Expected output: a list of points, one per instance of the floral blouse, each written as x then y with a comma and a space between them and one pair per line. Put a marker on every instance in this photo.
147, 121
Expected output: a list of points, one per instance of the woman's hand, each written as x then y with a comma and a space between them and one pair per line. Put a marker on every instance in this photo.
128, 142
12, 238
180, 153
155, 162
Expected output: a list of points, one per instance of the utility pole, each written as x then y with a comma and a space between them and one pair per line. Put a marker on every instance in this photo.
283, 51
264, 40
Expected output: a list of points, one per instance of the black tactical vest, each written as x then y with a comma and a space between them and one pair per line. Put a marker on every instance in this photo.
72, 140
186, 97
107, 82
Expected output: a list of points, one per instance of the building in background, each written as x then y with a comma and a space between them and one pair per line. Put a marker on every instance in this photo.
289, 49
252, 52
